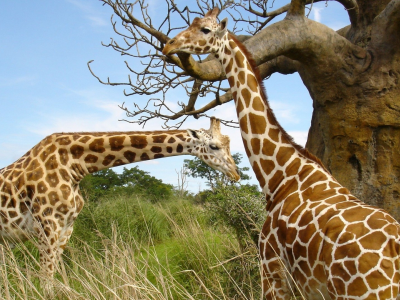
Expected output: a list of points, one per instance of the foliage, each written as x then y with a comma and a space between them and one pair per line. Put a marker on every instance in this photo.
134, 181
134, 249
97, 184
193, 261
241, 208
196, 168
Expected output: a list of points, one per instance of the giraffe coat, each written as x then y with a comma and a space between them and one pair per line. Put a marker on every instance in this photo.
317, 238
40, 194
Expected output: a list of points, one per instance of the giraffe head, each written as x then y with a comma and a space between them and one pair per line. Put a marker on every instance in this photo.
201, 37
212, 147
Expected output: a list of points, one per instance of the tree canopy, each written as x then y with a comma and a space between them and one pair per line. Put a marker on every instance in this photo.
131, 180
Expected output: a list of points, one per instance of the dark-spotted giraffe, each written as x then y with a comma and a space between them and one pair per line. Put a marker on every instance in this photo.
316, 235
40, 194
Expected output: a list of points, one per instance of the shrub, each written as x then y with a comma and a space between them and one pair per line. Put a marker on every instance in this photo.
240, 207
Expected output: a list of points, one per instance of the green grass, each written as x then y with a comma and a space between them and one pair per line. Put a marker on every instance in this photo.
128, 248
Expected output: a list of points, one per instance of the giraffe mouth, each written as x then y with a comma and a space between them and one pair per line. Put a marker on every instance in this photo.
167, 51
171, 47
234, 176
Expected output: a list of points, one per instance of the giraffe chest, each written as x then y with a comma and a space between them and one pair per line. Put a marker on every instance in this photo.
16, 220
335, 238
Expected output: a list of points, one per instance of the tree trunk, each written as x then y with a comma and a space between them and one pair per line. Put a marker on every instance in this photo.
355, 128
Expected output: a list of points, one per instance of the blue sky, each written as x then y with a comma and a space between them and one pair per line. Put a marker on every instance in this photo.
46, 87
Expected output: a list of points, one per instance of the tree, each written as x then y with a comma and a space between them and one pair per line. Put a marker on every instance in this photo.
351, 74
97, 184
141, 182
196, 168
131, 180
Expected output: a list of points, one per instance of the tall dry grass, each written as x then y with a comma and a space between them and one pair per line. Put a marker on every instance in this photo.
193, 261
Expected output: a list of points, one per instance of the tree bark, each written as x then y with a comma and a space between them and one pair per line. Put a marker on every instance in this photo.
355, 128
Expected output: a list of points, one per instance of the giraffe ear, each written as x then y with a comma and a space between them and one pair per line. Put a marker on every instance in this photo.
193, 134
224, 24
223, 27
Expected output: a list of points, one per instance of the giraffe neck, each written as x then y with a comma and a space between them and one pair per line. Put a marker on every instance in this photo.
86, 153
271, 151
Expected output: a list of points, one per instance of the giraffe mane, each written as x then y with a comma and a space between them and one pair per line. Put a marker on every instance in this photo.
99, 133
263, 93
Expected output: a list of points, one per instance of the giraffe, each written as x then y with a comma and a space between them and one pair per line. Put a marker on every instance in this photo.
317, 237
40, 194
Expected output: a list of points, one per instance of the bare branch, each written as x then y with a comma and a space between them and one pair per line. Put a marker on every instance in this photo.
152, 74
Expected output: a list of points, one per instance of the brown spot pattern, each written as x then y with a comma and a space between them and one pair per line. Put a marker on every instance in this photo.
51, 163
108, 159
258, 173
91, 159
144, 156
117, 143
246, 97
239, 59
256, 145
258, 124
252, 83
156, 149
130, 156
97, 145
284, 154
179, 148
267, 165
159, 138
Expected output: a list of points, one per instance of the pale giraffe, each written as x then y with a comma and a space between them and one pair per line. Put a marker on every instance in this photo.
333, 245
40, 194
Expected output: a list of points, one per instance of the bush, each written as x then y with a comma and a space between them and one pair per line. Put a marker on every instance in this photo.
135, 218
241, 208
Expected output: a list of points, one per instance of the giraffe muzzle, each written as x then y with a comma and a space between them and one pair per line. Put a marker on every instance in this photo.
234, 175
169, 47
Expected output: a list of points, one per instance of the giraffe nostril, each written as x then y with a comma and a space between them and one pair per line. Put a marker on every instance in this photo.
170, 42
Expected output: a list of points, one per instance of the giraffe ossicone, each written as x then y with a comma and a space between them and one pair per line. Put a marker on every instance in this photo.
317, 235
40, 194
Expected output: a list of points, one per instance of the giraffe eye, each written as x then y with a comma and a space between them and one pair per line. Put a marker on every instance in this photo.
213, 147
205, 30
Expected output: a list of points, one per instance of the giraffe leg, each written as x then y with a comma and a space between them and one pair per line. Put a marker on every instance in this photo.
2, 255
276, 281
47, 256
62, 243
51, 245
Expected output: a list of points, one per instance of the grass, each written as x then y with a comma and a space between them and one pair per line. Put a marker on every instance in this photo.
128, 248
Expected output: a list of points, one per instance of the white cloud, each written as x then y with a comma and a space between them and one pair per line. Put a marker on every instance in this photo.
317, 13
17, 80
11, 152
93, 111
300, 137
284, 112
95, 18
97, 21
